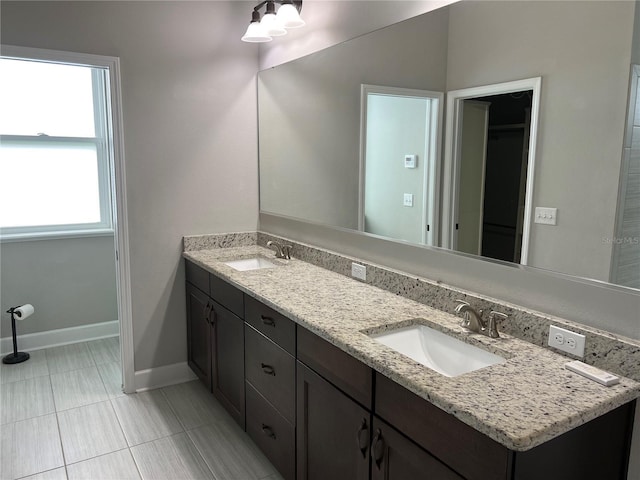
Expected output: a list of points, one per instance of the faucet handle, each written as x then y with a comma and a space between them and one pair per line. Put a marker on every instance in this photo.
493, 327
461, 305
286, 251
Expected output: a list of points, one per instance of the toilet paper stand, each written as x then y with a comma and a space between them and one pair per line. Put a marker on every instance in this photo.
16, 356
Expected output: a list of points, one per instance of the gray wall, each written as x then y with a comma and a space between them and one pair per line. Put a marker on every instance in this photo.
70, 282
189, 97
579, 126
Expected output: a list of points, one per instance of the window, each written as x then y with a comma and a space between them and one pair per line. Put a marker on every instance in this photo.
54, 149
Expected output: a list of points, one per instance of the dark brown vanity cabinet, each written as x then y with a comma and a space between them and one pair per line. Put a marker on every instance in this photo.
215, 337
334, 432
333, 429
199, 333
270, 373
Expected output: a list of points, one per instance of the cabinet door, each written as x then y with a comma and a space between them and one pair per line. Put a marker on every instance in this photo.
333, 431
228, 361
199, 334
394, 457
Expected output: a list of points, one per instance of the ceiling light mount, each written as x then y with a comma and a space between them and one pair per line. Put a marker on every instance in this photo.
273, 23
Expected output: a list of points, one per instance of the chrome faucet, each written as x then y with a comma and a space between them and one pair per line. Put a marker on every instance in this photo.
473, 321
282, 251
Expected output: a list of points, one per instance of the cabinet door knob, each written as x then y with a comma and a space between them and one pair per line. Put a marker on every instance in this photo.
268, 321
377, 448
268, 431
268, 369
363, 438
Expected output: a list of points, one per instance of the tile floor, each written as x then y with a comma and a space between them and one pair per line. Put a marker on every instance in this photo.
63, 416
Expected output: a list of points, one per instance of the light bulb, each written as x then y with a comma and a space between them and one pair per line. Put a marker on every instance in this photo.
256, 33
289, 16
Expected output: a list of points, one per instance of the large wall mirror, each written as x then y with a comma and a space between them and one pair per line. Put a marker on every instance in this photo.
521, 141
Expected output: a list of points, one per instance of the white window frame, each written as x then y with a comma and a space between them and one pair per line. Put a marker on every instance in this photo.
100, 85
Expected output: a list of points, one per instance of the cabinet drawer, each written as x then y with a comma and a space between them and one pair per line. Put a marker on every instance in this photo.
348, 374
443, 435
271, 323
271, 432
197, 276
226, 295
271, 370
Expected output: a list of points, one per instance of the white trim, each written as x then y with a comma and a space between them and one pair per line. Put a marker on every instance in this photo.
163, 376
60, 235
120, 221
452, 141
431, 185
60, 336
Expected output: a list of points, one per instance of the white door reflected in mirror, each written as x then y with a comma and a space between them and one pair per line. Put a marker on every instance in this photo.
394, 121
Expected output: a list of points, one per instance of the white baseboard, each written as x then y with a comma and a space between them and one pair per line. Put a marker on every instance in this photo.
61, 336
163, 376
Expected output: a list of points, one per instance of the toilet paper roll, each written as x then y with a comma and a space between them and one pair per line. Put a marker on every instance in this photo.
24, 311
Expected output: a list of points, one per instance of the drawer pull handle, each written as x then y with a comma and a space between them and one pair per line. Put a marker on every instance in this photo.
206, 313
268, 321
363, 438
268, 369
377, 447
268, 431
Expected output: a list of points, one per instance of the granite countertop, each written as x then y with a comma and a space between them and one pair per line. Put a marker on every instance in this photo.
522, 403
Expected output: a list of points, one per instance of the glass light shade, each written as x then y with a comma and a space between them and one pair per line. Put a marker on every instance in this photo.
272, 25
289, 16
256, 33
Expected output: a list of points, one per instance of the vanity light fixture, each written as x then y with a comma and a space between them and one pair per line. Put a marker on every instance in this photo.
273, 24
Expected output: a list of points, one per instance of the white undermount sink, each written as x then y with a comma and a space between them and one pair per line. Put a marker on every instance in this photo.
436, 350
254, 263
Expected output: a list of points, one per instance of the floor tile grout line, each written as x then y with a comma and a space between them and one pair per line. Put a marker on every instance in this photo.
25, 379
201, 455
96, 456
184, 432
67, 345
64, 457
172, 408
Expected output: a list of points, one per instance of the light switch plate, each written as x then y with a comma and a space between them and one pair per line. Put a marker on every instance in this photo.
546, 216
408, 200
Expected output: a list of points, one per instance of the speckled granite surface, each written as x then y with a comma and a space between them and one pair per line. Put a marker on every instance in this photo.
219, 240
529, 399
604, 350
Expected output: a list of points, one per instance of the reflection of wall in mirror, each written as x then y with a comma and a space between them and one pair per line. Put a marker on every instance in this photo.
582, 112
310, 116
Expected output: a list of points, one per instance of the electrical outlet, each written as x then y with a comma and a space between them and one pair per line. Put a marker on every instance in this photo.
567, 341
359, 271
